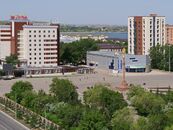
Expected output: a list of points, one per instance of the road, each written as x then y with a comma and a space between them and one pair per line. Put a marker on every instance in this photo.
7, 123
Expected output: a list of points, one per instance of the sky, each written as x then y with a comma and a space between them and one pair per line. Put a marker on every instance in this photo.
113, 12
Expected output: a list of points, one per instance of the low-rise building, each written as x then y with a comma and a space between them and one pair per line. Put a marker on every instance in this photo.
111, 60
110, 47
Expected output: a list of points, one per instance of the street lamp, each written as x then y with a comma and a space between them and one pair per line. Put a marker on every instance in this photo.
169, 59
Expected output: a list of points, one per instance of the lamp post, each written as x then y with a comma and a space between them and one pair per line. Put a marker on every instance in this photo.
169, 59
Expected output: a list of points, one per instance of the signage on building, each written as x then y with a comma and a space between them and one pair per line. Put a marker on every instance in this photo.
19, 17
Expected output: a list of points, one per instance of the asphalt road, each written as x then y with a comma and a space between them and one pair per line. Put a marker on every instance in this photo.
7, 123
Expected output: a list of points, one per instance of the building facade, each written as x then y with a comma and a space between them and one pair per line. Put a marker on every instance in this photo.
169, 34
145, 32
112, 61
35, 43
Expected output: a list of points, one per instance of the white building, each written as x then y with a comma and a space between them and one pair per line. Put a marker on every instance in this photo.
145, 32
35, 43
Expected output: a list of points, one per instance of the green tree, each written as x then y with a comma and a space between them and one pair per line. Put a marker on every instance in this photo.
160, 57
148, 103
157, 122
75, 52
93, 119
18, 89
140, 124
28, 97
64, 91
104, 99
68, 115
169, 128
123, 119
12, 59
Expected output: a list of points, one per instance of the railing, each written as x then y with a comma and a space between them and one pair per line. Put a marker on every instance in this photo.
30, 117
160, 89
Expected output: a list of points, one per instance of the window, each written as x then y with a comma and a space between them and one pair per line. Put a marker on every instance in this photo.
53, 31
34, 53
29, 31
34, 40
34, 35
35, 62
39, 58
29, 40
44, 31
44, 35
29, 35
30, 63
39, 31
39, 62
53, 35
39, 49
34, 31
30, 58
49, 31
30, 54
35, 58
39, 53
29, 49
39, 44
39, 35
34, 44
35, 49
39, 40
48, 35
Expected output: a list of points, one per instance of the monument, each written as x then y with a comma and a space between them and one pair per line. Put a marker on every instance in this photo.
123, 85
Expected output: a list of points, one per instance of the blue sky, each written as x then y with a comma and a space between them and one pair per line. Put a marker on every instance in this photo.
86, 11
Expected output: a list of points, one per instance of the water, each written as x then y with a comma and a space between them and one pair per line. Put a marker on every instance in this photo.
73, 36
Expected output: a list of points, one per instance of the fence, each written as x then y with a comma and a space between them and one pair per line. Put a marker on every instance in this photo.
30, 117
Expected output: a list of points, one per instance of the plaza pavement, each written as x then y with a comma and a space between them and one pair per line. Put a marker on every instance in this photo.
82, 81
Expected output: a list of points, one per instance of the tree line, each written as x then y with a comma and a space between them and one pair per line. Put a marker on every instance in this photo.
100, 107
162, 57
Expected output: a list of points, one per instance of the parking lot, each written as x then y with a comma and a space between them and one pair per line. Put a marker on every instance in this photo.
82, 81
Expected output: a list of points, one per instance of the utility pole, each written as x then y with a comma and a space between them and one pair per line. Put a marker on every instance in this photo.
169, 60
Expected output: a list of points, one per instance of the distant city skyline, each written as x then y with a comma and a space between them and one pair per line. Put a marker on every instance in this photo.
111, 12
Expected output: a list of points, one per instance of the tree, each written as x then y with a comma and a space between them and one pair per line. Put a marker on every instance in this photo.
93, 119
68, 115
123, 119
148, 103
18, 89
64, 91
75, 52
169, 128
135, 91
157, 122
104, 99
140, 124
160, 57
12, 59
29, 96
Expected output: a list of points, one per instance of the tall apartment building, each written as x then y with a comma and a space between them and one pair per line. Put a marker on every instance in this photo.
145, 32
35, 43
169, 34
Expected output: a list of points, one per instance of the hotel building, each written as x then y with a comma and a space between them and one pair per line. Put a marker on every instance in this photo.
35, 43
145, 32
169, 34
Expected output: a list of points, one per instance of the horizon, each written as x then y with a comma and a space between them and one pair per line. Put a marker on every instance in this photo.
89, 12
